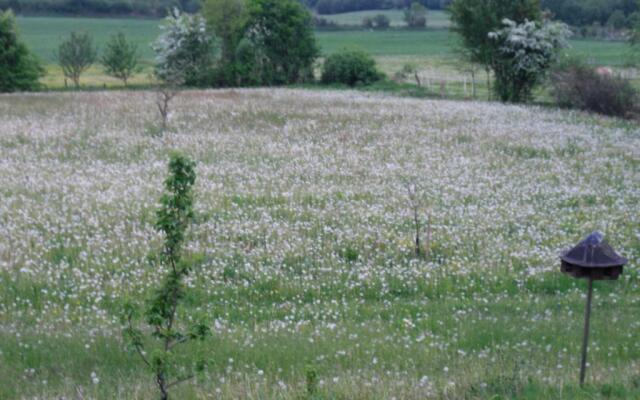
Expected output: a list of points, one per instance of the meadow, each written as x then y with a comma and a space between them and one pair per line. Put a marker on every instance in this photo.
302, 245
431, 50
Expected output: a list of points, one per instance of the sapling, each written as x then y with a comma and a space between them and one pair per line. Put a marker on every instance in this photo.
416, 204
158, 351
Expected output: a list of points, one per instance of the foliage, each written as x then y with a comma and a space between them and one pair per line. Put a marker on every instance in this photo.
416, 15
155, 8
577, 85
583, 13
282, 37
381, 21
378, 21
228, 19
19, 69
525, 53
350, 67
473, 20
617, 20
172, 220
121, 58
185, 50
75, 55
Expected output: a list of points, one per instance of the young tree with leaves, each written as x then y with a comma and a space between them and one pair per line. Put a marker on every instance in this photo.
158, 352
19, 69
185, 53
75, 55
121, 58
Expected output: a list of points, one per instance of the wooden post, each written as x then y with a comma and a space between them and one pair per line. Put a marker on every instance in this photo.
585, 339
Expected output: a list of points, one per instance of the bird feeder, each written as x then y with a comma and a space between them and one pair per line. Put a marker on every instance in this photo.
592, 259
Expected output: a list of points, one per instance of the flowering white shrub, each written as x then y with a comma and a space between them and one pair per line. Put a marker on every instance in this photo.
185, 50
527, 52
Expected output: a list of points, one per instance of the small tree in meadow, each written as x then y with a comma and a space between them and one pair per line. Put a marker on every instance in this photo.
185, 53
75, 55
185, 50
121, 58
19, 69
159, 351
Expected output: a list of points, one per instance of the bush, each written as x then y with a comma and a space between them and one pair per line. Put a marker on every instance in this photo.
351, 68
19, 70
381, 22
576, 85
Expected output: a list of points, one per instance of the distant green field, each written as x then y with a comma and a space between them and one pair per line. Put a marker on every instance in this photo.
43, 34
432, 50
389, 43
435, 19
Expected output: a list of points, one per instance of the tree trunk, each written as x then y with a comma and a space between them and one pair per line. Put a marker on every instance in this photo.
473, 84
488, 71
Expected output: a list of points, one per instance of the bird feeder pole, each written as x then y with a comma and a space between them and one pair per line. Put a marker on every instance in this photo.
585, 336
591, 259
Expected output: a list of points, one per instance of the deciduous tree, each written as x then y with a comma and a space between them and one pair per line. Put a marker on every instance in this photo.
19, 69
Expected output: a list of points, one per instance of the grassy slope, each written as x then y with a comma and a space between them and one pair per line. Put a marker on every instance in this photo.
303, 245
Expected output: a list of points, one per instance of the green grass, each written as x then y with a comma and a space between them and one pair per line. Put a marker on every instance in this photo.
302, 245
44, 34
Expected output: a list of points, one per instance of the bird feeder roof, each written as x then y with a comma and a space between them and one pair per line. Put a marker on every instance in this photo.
593, 252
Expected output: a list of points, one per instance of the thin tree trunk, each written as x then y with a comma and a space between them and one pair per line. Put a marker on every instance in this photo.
488, 71
473, 84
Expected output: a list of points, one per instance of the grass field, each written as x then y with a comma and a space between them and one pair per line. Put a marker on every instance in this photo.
431, 50
302, 245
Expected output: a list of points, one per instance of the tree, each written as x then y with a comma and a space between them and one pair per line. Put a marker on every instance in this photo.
121, 58
185, 53
75, 55
19, 70
473, 20
172, 220
228, 19
525, 53
282, 34
416, 15
185, 50
617, 20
